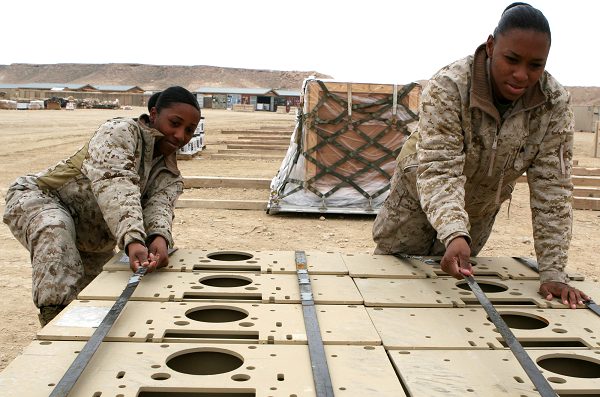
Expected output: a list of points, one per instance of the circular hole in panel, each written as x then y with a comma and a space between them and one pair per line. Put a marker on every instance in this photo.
246, 324
230, 256
240, 377
205, 362
216, 314
182, 322
559, 330
571, 365
486, 286
523, 321
160, 376
225, 281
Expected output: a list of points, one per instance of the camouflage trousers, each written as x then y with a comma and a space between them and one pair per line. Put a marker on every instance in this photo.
42, 224
401, 227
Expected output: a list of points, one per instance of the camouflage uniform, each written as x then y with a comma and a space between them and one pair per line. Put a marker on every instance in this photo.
463, 162
71, 216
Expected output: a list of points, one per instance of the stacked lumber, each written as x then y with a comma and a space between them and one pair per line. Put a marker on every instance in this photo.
586, 188
254, 143
586, 192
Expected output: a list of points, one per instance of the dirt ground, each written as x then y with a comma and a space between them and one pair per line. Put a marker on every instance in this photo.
33, 140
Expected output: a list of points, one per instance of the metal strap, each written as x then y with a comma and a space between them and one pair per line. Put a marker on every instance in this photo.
318, 360
64, 386
533, 372
593, 306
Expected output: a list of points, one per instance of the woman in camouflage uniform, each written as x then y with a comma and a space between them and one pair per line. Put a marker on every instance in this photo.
118, 190
484, 121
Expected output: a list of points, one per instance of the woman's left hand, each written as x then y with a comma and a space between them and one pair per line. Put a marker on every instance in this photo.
569, 295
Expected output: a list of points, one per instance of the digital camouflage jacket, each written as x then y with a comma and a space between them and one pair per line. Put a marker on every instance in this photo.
469, 157
115, 174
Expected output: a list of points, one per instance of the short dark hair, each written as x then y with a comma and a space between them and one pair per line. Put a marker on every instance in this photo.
521, 15
175, 94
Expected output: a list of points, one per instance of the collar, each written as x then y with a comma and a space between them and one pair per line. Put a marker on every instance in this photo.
170, 160
481, 95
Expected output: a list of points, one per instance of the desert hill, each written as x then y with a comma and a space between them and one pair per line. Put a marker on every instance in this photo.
155, 77
152, 77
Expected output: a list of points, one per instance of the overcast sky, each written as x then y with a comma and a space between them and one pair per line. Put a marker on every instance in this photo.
389, 41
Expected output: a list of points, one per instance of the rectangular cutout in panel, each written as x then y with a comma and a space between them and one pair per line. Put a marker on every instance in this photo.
169, 393
192, 335
504, 302
244, 297
249, 269
558, 344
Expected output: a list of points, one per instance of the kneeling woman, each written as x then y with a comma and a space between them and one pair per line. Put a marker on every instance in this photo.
118, 190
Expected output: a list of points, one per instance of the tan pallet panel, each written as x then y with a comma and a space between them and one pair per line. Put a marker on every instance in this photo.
495, 372
471, 328
187, 260
221, 287
212, 323
449, 292
152, 369
389, 266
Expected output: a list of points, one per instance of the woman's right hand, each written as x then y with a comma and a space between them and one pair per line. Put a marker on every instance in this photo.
138, 256
456, 259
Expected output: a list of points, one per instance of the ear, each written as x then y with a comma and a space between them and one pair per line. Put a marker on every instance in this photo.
489, 46
153, 114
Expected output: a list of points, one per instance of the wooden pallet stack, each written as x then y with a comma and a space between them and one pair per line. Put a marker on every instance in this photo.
235, 324
254, 143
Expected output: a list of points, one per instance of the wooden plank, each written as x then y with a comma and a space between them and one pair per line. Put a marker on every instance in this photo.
221, 156
283, 139
578, 180
586, 180
586, 203
253, 146
259, 132
586, 191
583, 171
222, 204
249, 151
281, 142
225, 181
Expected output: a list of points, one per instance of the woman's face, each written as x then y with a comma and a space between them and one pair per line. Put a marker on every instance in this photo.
517, 60
178, 123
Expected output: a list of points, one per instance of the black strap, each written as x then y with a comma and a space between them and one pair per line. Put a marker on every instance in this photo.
533, 372
318, 360
64, 386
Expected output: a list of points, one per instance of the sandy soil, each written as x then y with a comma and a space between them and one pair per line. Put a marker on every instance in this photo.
32, 140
